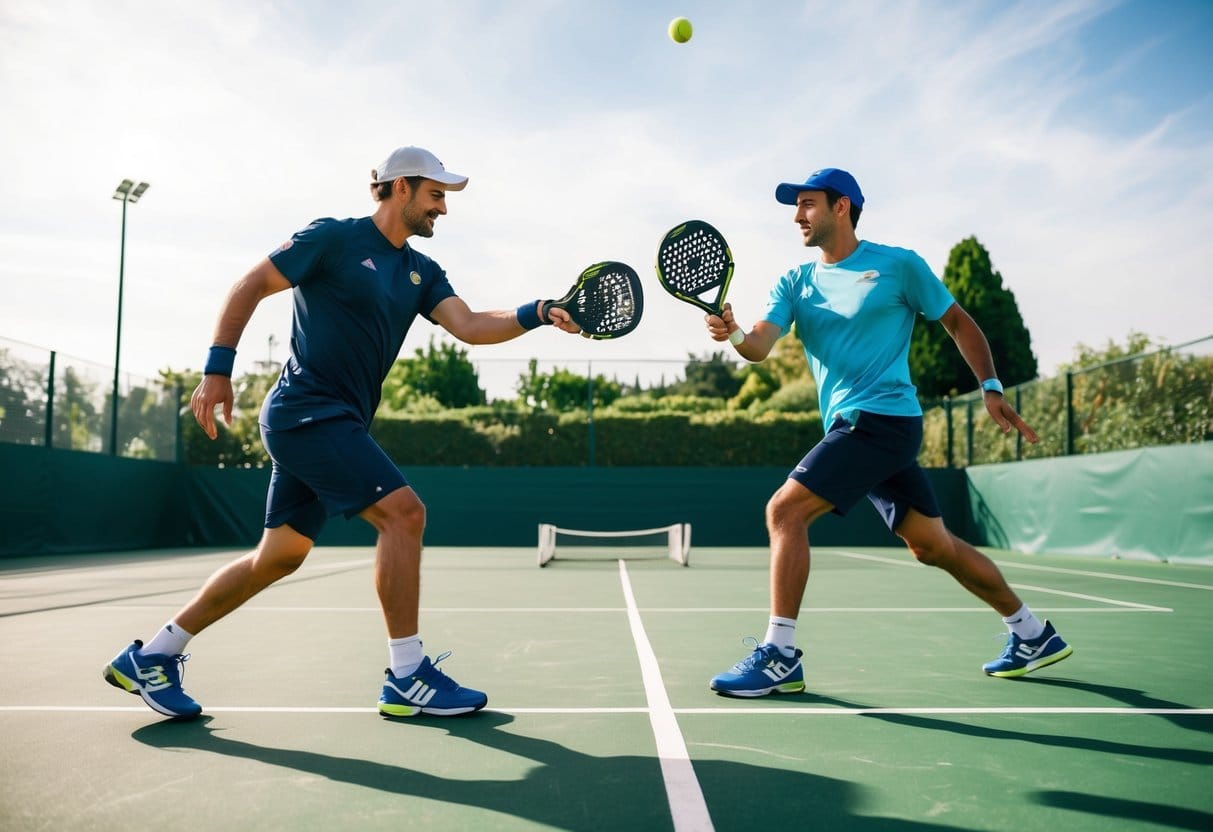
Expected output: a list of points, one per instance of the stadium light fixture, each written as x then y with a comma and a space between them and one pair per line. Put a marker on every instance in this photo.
128, 192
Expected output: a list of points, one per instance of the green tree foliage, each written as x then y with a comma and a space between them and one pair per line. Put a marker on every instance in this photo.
22, 400
781, 383
441, 372
1122, 396
237, 445
936, 366
708, 376
563, 390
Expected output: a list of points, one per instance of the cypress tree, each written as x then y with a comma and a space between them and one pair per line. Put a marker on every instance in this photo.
936, 366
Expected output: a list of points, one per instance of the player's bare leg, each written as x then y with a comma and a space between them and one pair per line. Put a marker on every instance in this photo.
281, 551
932, 544
409, 689
400, 520
789, 513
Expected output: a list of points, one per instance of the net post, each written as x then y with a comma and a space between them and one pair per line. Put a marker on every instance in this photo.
547, 543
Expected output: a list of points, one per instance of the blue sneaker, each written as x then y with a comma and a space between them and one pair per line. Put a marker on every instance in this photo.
766, 670
427, 690
1022, 656
156, 677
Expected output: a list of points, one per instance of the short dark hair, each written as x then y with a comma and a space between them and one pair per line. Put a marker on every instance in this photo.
833, 196
383, 190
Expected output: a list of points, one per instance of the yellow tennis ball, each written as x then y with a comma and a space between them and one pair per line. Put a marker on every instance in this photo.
680, 30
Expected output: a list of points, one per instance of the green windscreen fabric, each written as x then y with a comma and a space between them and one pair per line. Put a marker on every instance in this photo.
1150, 503
58, 502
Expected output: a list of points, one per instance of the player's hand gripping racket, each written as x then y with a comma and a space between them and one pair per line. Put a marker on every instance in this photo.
694, 264
606, 301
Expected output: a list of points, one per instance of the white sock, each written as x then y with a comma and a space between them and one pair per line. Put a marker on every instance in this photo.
170, 641
782, 633
405, 655
1024, 624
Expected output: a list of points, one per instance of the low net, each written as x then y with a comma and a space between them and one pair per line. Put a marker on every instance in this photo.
673, 542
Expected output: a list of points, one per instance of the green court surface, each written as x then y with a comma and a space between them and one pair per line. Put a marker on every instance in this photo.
599, 713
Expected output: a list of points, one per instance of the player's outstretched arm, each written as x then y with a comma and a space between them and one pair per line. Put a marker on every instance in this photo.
975, 350
496, 326
215, 389
754, 345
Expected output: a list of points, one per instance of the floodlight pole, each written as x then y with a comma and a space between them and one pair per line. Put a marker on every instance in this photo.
128, 192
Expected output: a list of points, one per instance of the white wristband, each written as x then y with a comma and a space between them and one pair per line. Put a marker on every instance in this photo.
736, 336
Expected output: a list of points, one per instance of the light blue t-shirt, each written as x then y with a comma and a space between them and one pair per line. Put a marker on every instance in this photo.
854, 319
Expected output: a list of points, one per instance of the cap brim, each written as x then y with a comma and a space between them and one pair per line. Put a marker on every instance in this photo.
788, 192
453, 181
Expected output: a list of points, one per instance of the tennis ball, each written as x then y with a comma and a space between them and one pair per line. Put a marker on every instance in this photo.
680, 30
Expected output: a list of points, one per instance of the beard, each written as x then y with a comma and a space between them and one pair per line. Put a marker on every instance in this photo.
419, 223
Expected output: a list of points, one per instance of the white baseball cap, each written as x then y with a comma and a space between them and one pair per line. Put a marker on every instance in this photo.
415, 161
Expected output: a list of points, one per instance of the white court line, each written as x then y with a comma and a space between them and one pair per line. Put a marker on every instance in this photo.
1108, 575
952, 711
1131, 604
567, 610
687, 805
916, 564
805, 711
1005, 563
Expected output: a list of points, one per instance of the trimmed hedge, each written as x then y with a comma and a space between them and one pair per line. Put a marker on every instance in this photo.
476, 437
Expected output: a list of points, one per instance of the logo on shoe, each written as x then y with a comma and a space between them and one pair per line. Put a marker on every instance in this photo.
1027, 652
776, 670
153, 677
419, 694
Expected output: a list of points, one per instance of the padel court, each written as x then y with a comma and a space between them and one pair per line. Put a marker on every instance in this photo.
599, 714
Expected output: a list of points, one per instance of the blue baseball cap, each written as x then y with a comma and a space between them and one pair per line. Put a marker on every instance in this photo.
826, 179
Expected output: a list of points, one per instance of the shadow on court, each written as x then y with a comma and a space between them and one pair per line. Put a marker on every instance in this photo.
566, 789
1132, 697
1118, 810
1115, 809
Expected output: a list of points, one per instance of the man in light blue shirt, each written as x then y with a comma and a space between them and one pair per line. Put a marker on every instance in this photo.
854, 311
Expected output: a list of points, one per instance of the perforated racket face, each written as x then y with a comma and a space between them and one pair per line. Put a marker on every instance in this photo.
607, 301
693, 259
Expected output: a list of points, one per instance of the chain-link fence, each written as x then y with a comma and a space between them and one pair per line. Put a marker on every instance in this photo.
1158, 398
54, 400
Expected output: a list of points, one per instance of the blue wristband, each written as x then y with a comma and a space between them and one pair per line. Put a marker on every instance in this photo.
991, 385
219, 361
528, 316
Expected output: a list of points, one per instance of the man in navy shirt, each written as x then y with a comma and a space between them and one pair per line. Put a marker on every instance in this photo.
357, 286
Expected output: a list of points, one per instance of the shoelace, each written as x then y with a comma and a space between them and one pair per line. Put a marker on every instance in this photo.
1009, 644
751, 661
440, 679
180, 660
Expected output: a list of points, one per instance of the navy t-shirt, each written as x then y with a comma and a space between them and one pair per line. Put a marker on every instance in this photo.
355, 297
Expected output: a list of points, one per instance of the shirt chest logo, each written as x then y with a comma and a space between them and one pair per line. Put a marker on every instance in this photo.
370, 264
415, 278
868, 276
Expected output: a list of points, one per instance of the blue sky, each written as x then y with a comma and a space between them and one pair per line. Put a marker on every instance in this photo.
1074, 139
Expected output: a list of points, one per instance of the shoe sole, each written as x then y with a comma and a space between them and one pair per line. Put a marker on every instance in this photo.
409, 711
1031, 666
786, 687
123, 683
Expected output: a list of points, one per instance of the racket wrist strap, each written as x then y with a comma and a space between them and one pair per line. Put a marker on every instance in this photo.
528, 315
219, 361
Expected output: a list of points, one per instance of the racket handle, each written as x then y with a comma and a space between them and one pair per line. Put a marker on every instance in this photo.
736, 336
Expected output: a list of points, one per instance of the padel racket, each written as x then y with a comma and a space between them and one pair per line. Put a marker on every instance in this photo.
694, 264
606, 301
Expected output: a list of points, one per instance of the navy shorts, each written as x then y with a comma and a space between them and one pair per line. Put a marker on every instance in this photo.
877, 458
323, 469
